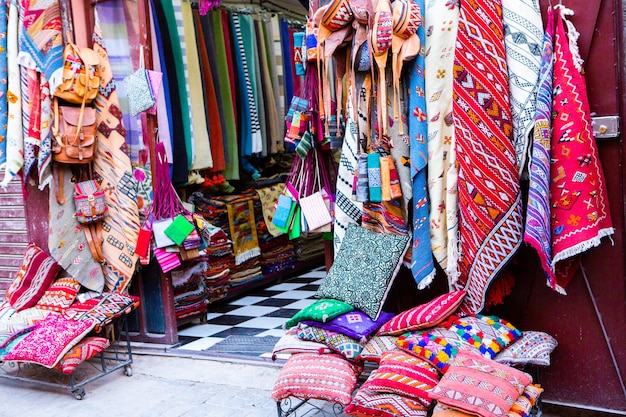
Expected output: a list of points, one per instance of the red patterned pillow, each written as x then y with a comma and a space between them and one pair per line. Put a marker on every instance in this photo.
329, 377
82, 351
60, 295
403, 374
376, 346
35, 275
384, 404
477, 385
425, 315
49, 341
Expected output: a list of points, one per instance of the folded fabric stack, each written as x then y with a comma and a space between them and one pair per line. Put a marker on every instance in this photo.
190, 299
277, 254
309, 247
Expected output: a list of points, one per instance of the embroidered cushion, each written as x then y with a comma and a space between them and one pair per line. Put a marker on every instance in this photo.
364, 269
50, 340
35, 275
10, 345
290, 343
9, 333
524, 404
441, 410
102, 309
438, 346
384, 404
425, 315
60, 295
405, 375
376, 346
82, 351
6, 311
533, 348
340, 343
321, 311
29, 316
354, 324
478, 385
489, 334
328, 377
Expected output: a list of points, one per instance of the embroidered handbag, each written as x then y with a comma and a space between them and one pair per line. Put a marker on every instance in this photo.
138, 89
74, 134
81, 78
89, 201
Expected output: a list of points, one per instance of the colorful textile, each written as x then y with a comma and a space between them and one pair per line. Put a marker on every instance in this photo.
532, 348
442, 18
121, 226
290, 344
488, 334
102, 309
321, 311
537, 232
580, 209
338, 342
59, 295
4, 81
328, 377
523, 30
376, 346
243, 230
354, 324
269, 196
489, 192
44, 156
384, 404
422, 265
31, 119
82, 351
524, 404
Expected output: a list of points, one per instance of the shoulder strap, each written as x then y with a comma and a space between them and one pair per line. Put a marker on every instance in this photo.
93, 232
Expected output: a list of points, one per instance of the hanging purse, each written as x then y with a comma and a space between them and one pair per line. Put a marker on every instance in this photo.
138, 89
89, 201
74, 133
81, 78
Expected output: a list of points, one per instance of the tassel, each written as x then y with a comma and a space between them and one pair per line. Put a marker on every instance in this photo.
394, 181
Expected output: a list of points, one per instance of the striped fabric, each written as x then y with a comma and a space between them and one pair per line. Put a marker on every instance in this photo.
44, 156
31, 114
3, 84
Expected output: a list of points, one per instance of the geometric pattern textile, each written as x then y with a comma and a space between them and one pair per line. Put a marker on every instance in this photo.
354, 324
524, 404
59, 295
376, 346
322, 310
580, 210
532, 348
102, 309
490, 205
82, 351
384, 404
488, 334
340, 343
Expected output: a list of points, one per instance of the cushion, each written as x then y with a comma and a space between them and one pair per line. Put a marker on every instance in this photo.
384, 404
11, 332
60, 295
6, 311
50, 340
82, 351
321, 311
328, 377
354, 324
35, 275
533, 348
441, 410
489, 334
376, 346
10, 345
340, 343
438, 346
479, 385
102, 309
364, 269
425, 315
30, 316
290, 343
525, 402
405, 375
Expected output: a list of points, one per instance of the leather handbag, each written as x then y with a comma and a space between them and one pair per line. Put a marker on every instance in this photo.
74, 134
81, 78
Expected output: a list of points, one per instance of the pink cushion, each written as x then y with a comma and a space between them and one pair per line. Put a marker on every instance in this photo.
328, 377
425, 315
82, 351
384, 404
50, 340
479, 385
60, 295
35, 275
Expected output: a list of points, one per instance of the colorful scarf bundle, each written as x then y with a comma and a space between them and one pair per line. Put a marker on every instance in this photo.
580, 210
489, 192
243, 230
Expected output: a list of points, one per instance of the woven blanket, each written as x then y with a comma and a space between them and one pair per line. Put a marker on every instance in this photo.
243, 230
580, 211
490, 204
269, 196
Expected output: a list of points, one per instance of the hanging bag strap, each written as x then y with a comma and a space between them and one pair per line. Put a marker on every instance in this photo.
93, 233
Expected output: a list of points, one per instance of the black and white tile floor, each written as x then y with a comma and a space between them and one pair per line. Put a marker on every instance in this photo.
259, 313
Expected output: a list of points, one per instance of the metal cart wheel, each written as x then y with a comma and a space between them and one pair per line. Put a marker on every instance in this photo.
79, 394
128, 370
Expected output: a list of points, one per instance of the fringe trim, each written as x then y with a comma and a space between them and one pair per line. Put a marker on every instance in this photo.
56, 78
247, 255
454, 254
583, 246
427, 280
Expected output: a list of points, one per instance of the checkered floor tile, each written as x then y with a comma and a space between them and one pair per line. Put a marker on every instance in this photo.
260, 313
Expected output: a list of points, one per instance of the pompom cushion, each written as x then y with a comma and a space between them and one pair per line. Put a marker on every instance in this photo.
489, 334
384, 404
321, 310
354, 324
425, 315
50, 340
340, 343
364, 269
376, 346
290, 344
35, 275
533, 348
403, 374
82, 351
524, 404
60, 295
328, 377
477, 385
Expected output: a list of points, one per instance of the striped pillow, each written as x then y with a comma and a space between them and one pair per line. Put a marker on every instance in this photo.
384, 404
82, 351
60, 295
425, 315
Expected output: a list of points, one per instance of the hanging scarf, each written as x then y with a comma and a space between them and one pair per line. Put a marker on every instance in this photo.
121, 225
271, 119
44, 157
489, 191
277, 47
442, 174
537, 232
31, 118
275, 65
4, 81
202, 157
422, 265
580, 210
523, 31
15, 134
286, 53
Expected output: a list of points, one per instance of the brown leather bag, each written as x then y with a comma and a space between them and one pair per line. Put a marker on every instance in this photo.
74, 134
81, 77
